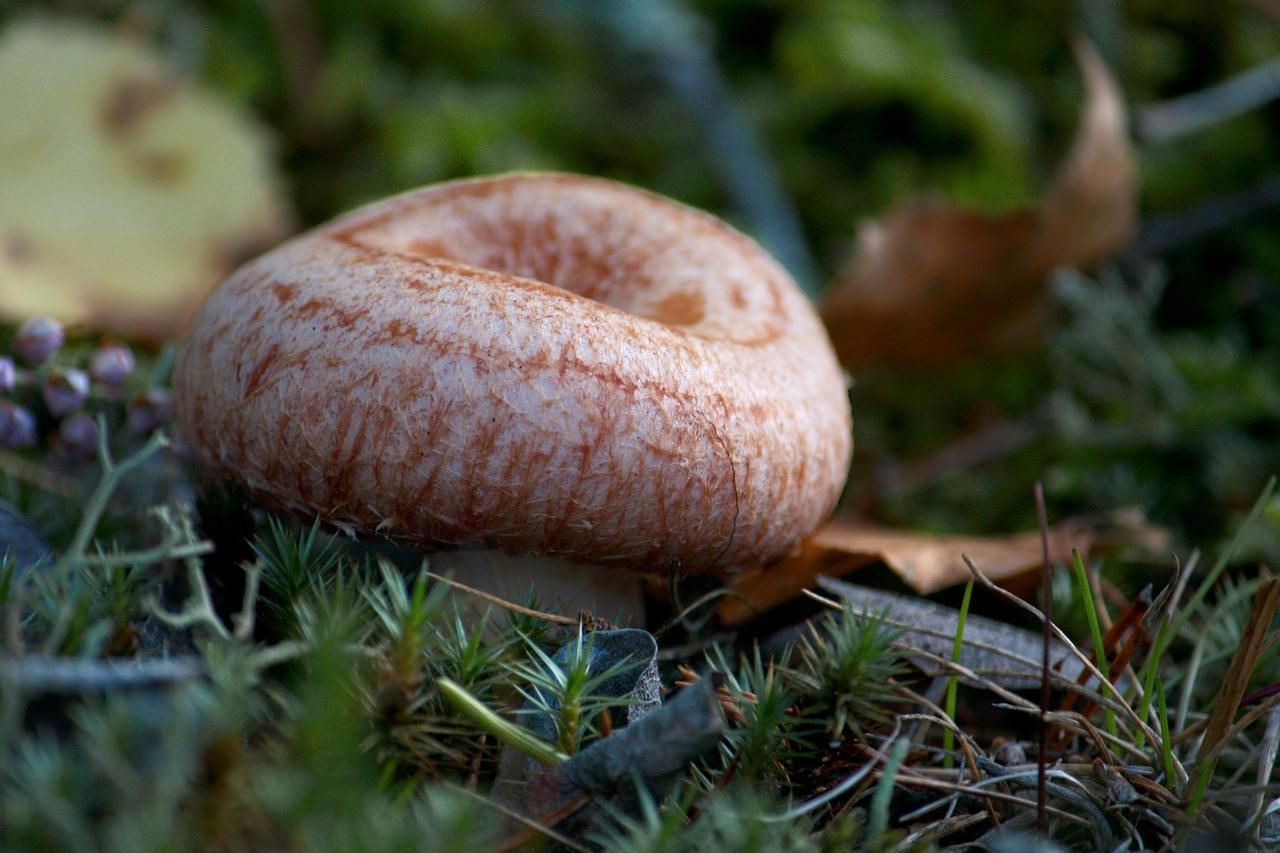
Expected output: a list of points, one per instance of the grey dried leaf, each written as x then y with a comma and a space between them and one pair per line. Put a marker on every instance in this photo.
1007, 655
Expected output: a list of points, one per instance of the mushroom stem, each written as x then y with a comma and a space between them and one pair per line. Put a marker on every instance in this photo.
560, 585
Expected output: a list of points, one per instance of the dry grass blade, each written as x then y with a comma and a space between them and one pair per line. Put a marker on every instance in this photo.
961, 788
51, 481
526, 835
966, 744
1127, 628
934, 831
1120, 703
1253, 641
1169, 598
529, 823
503, 603
1046, 592
1270, 746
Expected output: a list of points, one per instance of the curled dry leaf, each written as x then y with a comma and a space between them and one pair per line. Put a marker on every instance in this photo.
926, 563
932, 283
125, 193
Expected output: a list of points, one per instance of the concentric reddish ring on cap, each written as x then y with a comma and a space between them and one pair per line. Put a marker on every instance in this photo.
537, 363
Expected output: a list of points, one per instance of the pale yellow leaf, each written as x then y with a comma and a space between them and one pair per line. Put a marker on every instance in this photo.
126, 192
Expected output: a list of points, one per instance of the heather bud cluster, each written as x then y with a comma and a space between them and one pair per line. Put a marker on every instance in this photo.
44, 395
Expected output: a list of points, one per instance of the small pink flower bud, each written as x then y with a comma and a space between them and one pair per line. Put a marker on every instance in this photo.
37, 339
17, 426
8, 374
65, 390
111, 364
147, 410
78, 436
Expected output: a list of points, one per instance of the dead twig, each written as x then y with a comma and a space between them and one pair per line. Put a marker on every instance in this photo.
503, 603
1046, 593
529, 822
1235, 96
39, 476
966, 744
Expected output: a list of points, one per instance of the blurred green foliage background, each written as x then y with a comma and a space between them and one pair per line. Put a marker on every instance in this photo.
859, 102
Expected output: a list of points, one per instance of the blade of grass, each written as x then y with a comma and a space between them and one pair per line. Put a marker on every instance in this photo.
879, 820
1099, 650
1170, 629
1220, 729
1234, 683
509, 733
1166, 740
1122, 708
948, 737
502, 602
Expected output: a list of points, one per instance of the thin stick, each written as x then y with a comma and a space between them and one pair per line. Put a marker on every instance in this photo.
1046, 590
502, 602
1168, 120
514, 815
37, 475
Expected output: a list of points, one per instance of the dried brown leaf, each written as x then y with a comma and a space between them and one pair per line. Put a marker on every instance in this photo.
932, 283
926, 563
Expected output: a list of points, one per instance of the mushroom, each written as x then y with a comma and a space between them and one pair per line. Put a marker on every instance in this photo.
537, 364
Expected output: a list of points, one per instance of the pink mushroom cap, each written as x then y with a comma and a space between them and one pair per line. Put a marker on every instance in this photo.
538, 363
